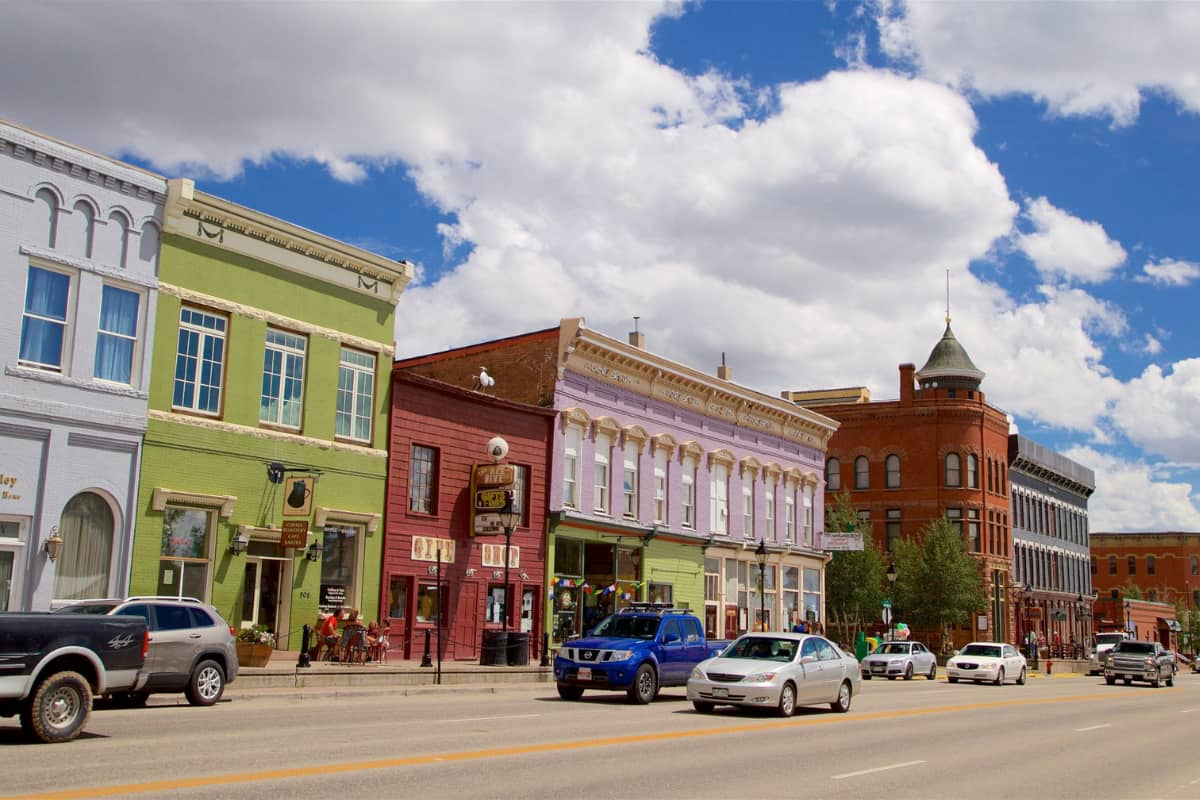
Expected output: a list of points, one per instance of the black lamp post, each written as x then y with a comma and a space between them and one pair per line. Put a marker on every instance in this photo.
892, 574
510, 517
1128, 613
760, 555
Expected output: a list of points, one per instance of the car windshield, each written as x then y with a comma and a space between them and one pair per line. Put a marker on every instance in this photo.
1136, 647
86, 608
988, 650
764, 648
893, 648
1110, 638
627, 626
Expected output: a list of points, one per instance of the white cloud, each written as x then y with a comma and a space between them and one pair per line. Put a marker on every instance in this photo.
1064, 245
1169, 272
1136, 496
1160, 411
1077, 58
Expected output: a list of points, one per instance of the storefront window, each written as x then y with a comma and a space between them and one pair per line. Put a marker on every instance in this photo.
567, 585
427, 603
495, 604
183, 566
339, 562
397, 597
662, 593
812, 595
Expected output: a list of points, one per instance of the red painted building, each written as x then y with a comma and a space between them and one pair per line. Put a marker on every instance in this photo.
439, 432
1164, 566
940, 450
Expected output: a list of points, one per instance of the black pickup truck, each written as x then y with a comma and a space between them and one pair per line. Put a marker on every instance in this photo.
51, 665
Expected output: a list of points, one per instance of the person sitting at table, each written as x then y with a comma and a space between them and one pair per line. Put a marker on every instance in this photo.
372, 641
327, 635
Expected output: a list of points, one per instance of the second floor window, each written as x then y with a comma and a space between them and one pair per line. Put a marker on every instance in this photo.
809, 537
422, 480
747, 504
1151, 565
600, 475
972, 471
769, 508
199, 361
116, 336
687, 491
1112, 565
1132, 565
571, 443
44, 322
356, 395
953, 470
660, 485
283, 379
719, 497
789, 512
629, 482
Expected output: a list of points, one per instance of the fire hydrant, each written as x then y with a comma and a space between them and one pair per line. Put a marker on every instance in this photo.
1049, 666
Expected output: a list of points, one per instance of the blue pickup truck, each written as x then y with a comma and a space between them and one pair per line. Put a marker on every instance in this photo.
639, 650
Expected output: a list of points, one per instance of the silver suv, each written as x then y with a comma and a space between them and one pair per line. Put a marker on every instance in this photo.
192, 649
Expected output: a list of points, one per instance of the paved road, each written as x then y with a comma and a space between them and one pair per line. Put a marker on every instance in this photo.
1053, 738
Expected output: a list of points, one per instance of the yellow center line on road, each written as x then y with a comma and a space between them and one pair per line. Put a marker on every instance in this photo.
178, 784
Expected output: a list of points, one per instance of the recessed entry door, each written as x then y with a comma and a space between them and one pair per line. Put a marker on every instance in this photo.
261, 593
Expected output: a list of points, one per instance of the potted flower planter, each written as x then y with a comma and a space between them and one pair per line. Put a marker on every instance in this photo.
252, 654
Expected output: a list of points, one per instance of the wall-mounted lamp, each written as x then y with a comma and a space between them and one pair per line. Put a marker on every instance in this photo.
53, 545
238, 544
314, 552
275, 472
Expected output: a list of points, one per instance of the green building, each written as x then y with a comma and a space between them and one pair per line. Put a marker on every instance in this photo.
263, 474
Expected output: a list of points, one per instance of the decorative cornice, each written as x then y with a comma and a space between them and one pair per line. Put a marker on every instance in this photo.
635, 434
299, 326
264, 433
606, 425
366, 518
721, 456
663, 441
205, 218
131, 178
223, 502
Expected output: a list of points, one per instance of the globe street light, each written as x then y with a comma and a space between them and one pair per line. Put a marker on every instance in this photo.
760, 555
510, 517
891, 576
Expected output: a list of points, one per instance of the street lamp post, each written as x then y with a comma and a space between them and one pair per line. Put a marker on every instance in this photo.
509, 518
760, 555
891, 576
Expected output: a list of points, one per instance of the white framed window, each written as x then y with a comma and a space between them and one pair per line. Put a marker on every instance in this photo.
629, 481
660, 485
422, 480
600, 475
186, 554
748, 504
687, 492
789, 511
808, 515
199, 361
282, 397
117, 334
769, 508
572, 439
44, 322
356, 396
718, 496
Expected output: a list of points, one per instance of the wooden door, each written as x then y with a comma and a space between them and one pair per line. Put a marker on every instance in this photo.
465, 632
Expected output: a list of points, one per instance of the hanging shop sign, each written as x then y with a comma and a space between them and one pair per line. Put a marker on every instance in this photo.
494, 475
293, 533
492, 489
425, 548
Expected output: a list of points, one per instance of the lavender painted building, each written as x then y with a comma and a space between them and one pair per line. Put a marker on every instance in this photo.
79, 242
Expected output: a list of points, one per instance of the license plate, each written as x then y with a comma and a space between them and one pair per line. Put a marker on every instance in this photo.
878, 667
584, 674
720, 692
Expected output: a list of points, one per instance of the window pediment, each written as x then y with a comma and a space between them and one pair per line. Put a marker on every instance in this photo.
721, 457
223, 502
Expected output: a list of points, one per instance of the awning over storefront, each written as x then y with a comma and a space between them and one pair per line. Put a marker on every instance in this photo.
1169, 624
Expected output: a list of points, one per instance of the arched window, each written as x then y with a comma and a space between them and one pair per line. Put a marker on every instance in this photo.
85, 561
1196, 565
893, 471
972, 471
117, 246
48, 210
862, 473
953, 470
833, 475
83, 227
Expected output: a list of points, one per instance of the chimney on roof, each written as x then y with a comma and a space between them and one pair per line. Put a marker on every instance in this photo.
636, 339
724, 372
906, 383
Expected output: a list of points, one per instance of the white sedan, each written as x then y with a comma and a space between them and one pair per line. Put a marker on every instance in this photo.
778, 671
996, 662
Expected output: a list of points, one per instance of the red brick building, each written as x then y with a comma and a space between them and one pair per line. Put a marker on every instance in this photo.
940, 450
439, 432
1164, 566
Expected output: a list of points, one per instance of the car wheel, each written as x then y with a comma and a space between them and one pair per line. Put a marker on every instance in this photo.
932, 672
1171, 678
1021, 677
206, 683
951, 680
1129, 681
59, 708
1111, 681
645, 685
570, 692
866, 676
1000, 677
908, 672
845, 694
703, 707
787, 701
1158, 680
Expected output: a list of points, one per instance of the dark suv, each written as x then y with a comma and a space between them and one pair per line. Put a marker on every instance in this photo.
192, 649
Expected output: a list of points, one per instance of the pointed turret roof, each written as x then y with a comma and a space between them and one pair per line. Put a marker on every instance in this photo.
949, 365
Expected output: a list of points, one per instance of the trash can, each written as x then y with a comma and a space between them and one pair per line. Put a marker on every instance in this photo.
518, 649
494, 652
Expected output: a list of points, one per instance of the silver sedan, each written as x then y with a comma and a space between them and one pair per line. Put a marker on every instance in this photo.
778, 671
900, 660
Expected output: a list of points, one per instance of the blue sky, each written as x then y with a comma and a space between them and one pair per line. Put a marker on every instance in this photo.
786, 183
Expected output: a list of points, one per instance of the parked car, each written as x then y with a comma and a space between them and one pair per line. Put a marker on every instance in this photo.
1105, 642
192, 648
51, 666
778, 671
900, 659
986, 661
1132, 660
637, 650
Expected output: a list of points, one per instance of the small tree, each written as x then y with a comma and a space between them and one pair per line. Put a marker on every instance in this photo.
938, 582
853, 578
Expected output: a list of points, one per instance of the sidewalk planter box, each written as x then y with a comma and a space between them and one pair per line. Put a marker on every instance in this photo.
251, 654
